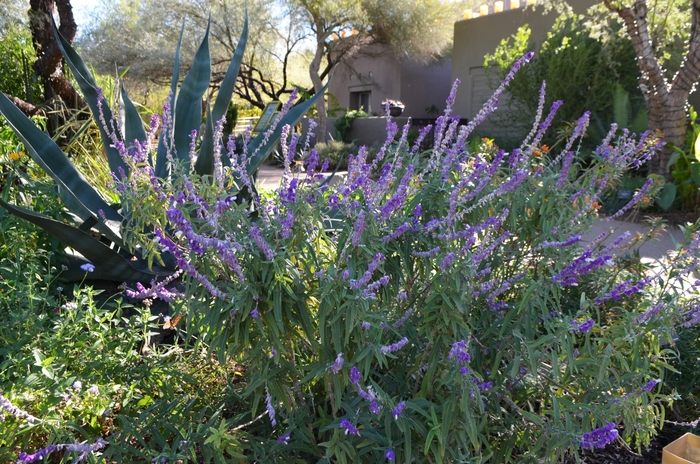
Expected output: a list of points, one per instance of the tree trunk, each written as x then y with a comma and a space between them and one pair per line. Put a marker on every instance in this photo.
665, 101
314, 72
48, 55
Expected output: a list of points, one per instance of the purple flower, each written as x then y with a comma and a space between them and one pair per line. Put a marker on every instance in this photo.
284, 439
398, 409
366, 325
394, 347
374, 407
77, 385
87, 267
338, 364
93, 390
485, 386
355, 376
459, 352
254, 313
649, 386
390, 455
464, 370
349, 427
270, 408
582, 327
447, 261
598, 438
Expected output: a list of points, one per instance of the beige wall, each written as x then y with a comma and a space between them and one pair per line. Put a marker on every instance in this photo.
474, 38
378, 70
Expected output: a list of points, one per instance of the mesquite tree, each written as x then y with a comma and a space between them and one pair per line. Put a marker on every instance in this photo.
665, 98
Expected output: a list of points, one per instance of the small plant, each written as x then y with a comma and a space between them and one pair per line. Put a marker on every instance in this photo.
343, 124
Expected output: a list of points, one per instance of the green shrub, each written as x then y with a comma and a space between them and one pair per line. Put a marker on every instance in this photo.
343, 124
580, 69
336, 152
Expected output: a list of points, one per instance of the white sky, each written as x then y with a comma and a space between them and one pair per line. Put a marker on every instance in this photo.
82, 10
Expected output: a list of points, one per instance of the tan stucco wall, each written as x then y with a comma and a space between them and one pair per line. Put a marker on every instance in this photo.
474, 38
418, 86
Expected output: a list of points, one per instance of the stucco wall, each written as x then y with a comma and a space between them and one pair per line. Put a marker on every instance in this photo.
377, 69
474, 38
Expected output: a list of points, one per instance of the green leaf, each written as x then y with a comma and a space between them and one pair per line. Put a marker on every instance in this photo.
260, 151
73, 188
88, 86
188, 106
132, 122
110, 262
161, 155
695, 173
205, 158
667, 195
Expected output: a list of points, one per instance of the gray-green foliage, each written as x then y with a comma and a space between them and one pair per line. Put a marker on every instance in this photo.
127, 146
579, 69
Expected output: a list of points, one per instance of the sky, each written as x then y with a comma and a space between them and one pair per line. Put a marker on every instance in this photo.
82, 10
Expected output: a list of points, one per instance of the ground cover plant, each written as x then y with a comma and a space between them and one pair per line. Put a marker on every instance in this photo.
434, 305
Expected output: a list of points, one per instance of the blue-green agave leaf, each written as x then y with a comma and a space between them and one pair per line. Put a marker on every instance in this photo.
132, 122
161, 155
88, 86
205, 158
103, 257
188, 107
261, 152
73, 188
204, 164
223, 98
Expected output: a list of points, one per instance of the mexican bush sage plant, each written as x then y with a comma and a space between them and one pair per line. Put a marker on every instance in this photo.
439, 306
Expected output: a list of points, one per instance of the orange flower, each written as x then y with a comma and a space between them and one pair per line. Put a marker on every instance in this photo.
14, 156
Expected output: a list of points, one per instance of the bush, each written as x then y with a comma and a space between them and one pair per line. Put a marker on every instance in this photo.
435, 306
343, 124
336, 152
579, 68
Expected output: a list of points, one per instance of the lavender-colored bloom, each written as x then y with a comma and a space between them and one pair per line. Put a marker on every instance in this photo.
394, 347
403, 318
93, 390
637, 196
365, 325
599, 438
646, 316
270, 407
337, 364
459, 352
88, 267
485, 386
355, 376
349, 427
390, 455
254, 313
15, 411
464, 370
256, 236
396, 412
649, 386
568, 242
447, 261
358, 229
582, 327
77, 385
565, 167
374, 407
284, 439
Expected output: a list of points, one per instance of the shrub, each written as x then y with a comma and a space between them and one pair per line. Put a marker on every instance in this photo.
580, 68
437, 306
336, 152
343, 124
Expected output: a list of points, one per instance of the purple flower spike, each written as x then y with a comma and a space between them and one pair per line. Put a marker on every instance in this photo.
338, 364
350, 429
390, 455
398, 410
355, 376
284, 439
598, 438
649, 386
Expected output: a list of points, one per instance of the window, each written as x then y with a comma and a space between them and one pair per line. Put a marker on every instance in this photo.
360, 101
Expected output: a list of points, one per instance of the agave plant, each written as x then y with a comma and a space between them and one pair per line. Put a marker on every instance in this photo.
97, 235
